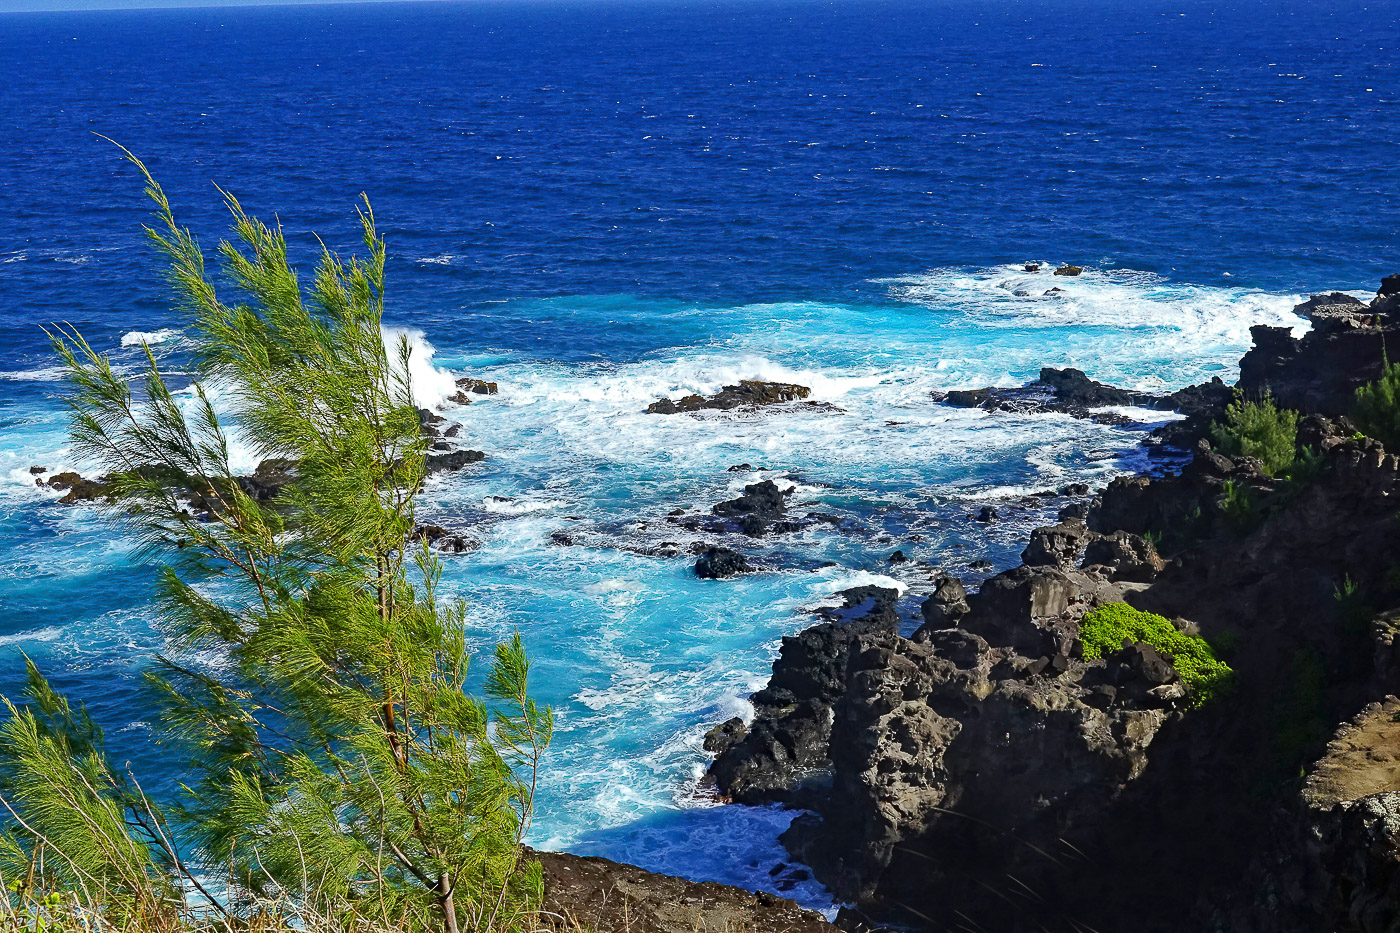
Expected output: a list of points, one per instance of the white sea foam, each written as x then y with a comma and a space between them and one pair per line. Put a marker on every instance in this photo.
135, 338
836, 579
607, 587
1116, 298
431, 386
41, 374
503, 505
47, 633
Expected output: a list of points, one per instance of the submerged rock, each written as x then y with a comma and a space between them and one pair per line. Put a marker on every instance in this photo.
441, 539
761, 509
763, 499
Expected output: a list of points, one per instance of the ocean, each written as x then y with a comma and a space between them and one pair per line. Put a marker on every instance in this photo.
597, 205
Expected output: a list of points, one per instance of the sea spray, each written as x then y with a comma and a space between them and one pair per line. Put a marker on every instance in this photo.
431, 385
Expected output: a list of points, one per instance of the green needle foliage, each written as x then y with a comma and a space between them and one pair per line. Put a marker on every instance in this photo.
1258, 429
337, 767
1377, 408
1104, 630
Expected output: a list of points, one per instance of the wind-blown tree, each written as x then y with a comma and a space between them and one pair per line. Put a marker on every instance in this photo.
337, 765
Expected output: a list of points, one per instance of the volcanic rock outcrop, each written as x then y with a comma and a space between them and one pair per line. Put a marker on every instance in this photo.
602, 896
1070, 391
1320, 372
986, 774
749, 393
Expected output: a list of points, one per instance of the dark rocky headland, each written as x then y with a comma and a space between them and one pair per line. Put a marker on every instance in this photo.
983, 775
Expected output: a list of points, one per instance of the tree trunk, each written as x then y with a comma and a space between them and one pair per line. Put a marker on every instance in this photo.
449, 904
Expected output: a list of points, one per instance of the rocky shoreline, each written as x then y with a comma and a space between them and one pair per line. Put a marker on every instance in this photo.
978, 770
985, 773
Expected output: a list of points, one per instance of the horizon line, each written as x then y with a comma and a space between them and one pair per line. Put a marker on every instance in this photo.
140, 6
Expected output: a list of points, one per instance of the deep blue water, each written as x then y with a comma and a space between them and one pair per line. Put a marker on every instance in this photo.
601, 204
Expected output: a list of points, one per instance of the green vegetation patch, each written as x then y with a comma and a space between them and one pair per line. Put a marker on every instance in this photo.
1258, 429
1104, 630
1377, 410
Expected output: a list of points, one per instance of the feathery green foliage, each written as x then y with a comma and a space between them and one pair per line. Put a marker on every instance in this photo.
1104, 630
336, 764
1237, 505
1377, 408
1258, 429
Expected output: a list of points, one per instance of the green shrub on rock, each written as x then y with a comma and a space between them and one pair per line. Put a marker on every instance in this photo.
1377, 411
1104, 630
1258, 429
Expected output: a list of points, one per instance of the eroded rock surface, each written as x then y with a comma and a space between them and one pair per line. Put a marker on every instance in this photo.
782, 754
1333, 862
984, 775
1070, 391
749, 393
1321, 371
602, 896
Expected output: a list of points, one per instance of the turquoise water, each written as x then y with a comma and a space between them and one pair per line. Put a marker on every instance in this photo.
637, 655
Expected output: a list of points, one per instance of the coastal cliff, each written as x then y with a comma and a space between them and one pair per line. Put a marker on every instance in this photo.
987, 772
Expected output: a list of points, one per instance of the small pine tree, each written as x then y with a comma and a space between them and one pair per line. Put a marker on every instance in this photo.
1258, 429
336, 761
1377, 408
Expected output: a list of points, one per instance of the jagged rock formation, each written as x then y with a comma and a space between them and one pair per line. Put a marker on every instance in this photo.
451, 460
716, 563
984, 775
1070, 391
467, 387
444, 456
749, 393
1321, 372
786, 744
